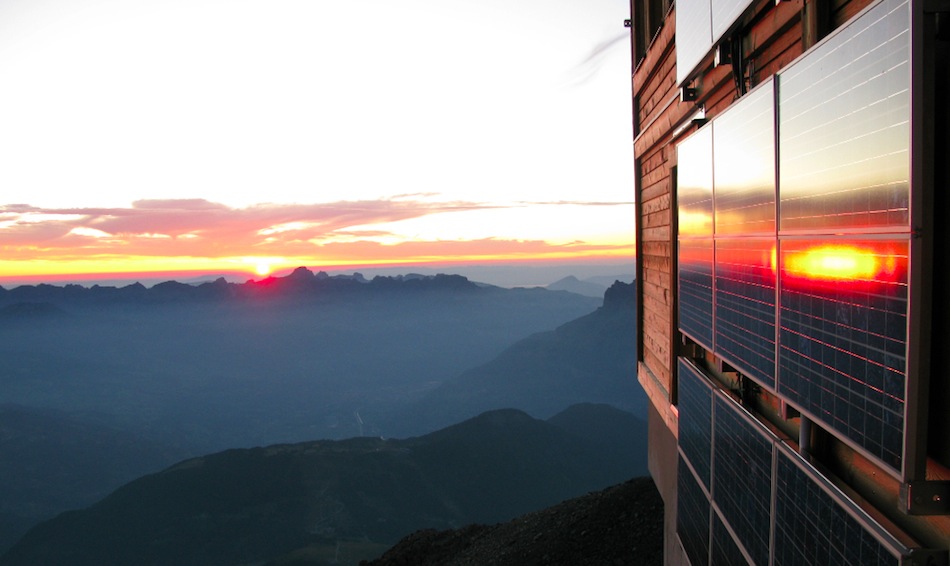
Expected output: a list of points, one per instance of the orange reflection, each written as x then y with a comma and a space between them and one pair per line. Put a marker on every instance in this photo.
836, 262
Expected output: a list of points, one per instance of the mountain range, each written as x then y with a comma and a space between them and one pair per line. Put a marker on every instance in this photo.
591, 358
99, 390
360, 495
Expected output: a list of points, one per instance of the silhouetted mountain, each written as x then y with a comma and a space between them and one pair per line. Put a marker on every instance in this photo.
620, 525
574, 285
590, 359
279, 360
301, 283
50, 462
361, 494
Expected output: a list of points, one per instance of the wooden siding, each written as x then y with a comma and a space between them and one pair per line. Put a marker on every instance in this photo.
772, 37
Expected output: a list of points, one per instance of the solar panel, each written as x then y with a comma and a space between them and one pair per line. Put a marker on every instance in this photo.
693, 35
742, 477
695, 423
694, 185
844, 338
744, 165
695, 231
812, 527
724, 548
692, 515
745, 306
695, 290
844, 133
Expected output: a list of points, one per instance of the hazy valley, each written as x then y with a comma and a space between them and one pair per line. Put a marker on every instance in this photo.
103, 385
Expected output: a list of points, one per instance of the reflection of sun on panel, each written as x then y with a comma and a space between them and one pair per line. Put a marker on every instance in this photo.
840, 263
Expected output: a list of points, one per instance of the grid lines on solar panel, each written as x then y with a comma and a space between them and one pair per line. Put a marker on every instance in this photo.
695, 420
725, 13
742, 478
844, 133
693, 37
694, 204
692, 515
745, 306
812, 528
695, 309
843, 338
744, 165
694, 185
724, 548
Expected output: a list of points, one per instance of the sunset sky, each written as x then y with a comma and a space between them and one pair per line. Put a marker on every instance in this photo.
251, 135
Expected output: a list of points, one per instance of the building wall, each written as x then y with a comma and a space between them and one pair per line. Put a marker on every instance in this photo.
767, 37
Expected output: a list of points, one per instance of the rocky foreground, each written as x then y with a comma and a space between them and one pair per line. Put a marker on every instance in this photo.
617, 526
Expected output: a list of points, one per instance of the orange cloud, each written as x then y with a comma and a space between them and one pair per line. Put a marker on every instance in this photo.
154, 233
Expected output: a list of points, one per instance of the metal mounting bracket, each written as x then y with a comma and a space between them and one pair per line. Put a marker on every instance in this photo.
925, 497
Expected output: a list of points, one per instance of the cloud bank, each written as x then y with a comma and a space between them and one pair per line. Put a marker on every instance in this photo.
342, 231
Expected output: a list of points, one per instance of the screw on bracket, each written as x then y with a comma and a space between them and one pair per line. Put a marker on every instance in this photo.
925, 497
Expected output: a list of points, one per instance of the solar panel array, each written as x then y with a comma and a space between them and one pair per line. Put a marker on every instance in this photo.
803, 285
767, 505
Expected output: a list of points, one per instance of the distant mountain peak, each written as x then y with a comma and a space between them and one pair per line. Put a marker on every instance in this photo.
572, 284
301, 274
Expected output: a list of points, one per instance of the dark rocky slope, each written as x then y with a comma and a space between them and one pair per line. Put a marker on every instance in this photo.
618, 526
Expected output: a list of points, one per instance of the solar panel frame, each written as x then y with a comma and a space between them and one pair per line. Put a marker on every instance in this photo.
816, 523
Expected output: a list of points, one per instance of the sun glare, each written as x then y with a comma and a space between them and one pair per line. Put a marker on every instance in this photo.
833, 262
263, 268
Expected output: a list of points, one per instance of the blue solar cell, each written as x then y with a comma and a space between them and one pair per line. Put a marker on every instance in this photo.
742, 477
695, 424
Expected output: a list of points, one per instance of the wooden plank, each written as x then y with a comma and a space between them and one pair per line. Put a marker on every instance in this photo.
656, 220
659, 368
656, 191
763, 32
662, 43
657, 297
660, 263
661, 233
662, 90
657, 204
662, 279
661, 129
651, 161
652, 90
656, 175
657, 249
847, 10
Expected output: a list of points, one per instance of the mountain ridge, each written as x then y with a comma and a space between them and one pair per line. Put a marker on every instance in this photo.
259, 503
300, 282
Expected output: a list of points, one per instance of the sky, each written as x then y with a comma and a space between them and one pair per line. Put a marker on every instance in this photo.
255, 136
